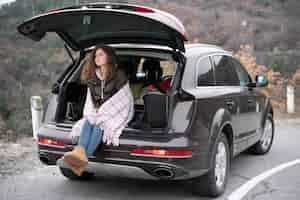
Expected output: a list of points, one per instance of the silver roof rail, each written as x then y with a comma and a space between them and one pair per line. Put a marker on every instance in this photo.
194, 45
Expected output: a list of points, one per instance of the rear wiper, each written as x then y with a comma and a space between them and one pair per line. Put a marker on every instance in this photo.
69, 52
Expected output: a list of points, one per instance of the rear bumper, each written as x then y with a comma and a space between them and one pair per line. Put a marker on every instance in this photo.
152, 167
147, 167
141, 168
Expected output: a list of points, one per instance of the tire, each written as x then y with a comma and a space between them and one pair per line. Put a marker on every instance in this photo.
264, 145
209, 184
72, 176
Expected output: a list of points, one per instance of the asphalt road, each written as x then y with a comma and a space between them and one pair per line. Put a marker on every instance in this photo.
46, 182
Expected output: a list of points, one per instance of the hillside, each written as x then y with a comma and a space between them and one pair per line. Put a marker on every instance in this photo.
28, 68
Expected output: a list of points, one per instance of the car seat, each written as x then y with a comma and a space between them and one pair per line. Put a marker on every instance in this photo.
155, 114
153, 71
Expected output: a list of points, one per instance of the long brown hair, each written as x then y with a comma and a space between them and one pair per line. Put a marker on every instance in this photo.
89, 69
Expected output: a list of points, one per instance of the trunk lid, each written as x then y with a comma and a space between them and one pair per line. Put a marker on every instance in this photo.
84, 26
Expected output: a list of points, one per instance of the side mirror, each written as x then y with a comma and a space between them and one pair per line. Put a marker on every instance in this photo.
261, 81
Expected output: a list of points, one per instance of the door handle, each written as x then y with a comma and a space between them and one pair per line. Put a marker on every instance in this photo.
250, 101
230, 103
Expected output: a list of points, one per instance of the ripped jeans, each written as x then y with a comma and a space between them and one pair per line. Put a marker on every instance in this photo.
90, 137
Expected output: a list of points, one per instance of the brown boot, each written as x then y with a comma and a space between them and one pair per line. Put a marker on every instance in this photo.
77, 157
78, 170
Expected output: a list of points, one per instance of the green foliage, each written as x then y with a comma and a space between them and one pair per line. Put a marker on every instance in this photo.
20, 122
264, 2
3, 105
23, 61
277, 66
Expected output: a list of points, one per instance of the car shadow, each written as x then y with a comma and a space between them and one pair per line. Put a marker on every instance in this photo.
116, 187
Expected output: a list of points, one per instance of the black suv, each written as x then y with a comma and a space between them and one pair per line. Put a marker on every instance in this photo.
211, 112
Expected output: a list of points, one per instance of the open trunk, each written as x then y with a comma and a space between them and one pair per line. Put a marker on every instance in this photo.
151, 111
82, 27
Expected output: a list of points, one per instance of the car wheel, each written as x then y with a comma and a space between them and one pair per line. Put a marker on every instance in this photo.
72, 176
263, 146
214, 182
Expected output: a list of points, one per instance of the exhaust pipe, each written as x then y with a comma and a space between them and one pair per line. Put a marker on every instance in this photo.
164, 172
44, 160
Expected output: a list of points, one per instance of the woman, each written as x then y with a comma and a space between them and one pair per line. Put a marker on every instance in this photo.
107, 110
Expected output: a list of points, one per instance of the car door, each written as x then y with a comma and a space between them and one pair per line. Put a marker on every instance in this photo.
252, 101
228, 82
249, 99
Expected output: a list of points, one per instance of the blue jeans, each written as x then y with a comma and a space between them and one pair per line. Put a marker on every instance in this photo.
90, 137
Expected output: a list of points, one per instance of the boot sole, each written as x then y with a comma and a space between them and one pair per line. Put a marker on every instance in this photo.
78, 170
74, 161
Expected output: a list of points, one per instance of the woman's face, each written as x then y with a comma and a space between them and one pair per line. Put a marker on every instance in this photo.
100, 57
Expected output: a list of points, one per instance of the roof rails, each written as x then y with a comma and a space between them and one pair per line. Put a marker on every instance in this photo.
203, 45
110, 5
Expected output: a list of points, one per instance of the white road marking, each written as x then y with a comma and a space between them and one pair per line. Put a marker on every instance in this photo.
244, 189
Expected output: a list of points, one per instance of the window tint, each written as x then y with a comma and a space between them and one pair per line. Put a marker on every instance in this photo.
242, 73
224, 71
205, 73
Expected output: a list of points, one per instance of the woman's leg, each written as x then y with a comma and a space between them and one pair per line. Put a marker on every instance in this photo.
85, 134
95, 140
77, 159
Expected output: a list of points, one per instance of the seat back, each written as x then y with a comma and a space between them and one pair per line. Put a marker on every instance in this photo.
155, 110
75, 99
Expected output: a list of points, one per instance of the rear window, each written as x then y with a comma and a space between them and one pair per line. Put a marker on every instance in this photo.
168, 67
143, 81
132, 62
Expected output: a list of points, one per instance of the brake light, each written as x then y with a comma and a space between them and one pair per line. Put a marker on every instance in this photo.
162, 153
48, 141
143, 10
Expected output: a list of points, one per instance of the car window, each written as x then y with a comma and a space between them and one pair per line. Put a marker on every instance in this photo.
243, 75
225, 72
205, 73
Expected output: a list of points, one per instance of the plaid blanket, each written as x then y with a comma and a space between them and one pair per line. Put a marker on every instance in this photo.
112, 116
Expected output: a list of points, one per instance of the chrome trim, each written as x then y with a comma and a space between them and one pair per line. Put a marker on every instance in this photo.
51, 152
203, 45
141, 161
154, 156
118, 151
49, 145
54, 126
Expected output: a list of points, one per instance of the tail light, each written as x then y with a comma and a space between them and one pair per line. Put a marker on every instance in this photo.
47, 141
162, 153
143, 9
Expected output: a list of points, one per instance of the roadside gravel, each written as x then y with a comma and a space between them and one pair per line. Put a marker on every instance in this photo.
16, 158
